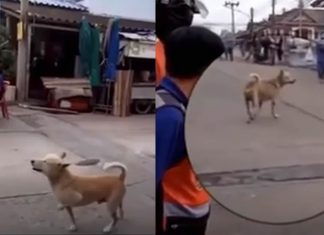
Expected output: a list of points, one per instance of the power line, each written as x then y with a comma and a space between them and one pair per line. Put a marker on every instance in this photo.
232, 5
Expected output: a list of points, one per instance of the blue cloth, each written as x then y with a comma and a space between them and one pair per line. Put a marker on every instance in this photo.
85, 47
170, 131
95, 79
112, 52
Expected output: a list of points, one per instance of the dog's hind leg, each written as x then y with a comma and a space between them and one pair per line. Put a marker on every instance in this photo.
113, 203
273, 112
248, 110
73, 226
256, 102
112, 210
260, 104
121, 210
60, 207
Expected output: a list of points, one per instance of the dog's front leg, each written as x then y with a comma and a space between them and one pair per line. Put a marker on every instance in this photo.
73, 226
273, 112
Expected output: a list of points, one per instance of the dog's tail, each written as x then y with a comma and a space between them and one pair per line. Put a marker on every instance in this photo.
121, 166
255, 76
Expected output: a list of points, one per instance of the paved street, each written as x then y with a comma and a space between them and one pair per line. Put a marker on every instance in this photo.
26, 202
268, 170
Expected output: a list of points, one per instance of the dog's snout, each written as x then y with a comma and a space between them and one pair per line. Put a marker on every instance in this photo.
32, 161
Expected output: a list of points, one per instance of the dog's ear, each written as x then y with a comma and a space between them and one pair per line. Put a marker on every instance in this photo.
63, 155
65, 165
281, 73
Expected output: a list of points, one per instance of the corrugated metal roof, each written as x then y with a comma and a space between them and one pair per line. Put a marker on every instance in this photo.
65, 4
139, 36
63, 15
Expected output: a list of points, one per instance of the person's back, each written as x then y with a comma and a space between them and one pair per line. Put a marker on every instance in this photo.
186, 204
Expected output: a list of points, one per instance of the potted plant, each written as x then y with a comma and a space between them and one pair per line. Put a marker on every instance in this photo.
8, 58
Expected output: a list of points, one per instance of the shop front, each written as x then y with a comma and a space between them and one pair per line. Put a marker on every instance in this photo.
55, 69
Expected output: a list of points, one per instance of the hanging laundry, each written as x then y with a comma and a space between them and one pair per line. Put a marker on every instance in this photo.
112, 51
85, 47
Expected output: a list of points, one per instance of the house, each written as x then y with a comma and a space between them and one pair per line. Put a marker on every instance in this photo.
53, 27
308, 24
317, 3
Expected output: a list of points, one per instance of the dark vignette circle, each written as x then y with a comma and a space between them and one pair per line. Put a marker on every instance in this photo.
321, 213
251, 219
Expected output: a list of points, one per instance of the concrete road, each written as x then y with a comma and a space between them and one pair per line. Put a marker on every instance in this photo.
269, 170
26, 202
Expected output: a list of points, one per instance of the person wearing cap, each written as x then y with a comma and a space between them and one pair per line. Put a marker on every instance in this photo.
183, 205
170, 15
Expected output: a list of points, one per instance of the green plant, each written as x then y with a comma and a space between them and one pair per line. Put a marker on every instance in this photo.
7, 56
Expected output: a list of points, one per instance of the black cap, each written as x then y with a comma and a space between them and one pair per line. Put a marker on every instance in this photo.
190, 50
175, 3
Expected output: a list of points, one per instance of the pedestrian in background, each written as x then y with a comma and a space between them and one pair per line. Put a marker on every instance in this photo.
320, 57
251, 47
280, 48
229, 43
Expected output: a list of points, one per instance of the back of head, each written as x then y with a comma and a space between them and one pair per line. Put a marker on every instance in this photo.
172, 14
190, 50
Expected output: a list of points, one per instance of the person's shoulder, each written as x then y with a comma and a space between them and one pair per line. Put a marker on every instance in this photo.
170, 114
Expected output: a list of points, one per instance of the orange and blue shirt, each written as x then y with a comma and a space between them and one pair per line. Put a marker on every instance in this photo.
182, 194
159, 62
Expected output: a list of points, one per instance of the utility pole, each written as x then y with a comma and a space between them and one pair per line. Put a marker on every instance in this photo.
301, 7
273, 25
273, 22
252, 20
22, 51
232, 5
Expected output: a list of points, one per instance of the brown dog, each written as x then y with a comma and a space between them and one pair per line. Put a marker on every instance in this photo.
258, 91
73, 190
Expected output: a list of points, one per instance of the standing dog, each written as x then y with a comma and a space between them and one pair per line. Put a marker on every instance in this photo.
258, 91
73, 191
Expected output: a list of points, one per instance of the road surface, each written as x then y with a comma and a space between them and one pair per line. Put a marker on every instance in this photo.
26, 202
270, 170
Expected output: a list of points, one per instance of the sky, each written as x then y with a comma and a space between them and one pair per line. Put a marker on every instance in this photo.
221, 16
218, 14
134, 9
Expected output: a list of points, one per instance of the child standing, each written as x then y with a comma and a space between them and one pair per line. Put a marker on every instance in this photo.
3, 104
2, 84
